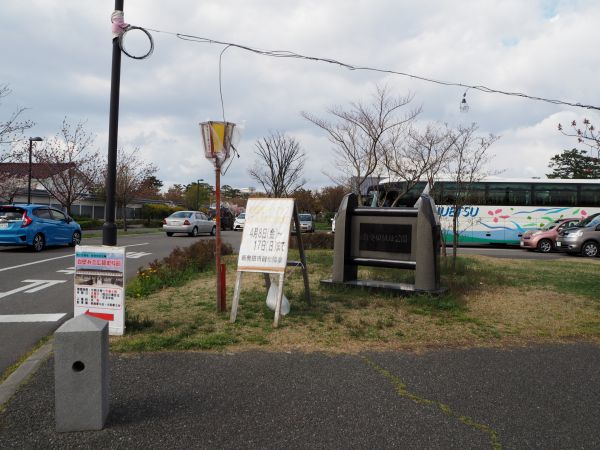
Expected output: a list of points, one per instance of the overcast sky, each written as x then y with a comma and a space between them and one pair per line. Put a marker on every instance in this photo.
56, 58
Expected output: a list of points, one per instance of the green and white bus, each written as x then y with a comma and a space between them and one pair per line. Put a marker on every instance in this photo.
500, 210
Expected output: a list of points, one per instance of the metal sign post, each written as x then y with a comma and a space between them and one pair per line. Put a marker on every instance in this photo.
216, 138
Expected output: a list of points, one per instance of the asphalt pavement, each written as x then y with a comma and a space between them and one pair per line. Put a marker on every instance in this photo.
533, 397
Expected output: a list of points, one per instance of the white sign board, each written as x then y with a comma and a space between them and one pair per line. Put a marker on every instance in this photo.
266, 235
99, 284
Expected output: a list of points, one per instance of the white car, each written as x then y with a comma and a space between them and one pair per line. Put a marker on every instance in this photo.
189, 222
238, 224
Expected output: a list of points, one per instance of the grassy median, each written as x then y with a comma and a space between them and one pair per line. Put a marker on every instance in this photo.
490, 302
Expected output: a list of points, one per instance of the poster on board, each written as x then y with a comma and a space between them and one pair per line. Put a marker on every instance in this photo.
99, 284
266, 235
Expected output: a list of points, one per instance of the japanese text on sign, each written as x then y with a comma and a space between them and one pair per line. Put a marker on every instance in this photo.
266, 235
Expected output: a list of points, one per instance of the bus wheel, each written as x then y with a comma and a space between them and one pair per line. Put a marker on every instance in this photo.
545, 246
590, 249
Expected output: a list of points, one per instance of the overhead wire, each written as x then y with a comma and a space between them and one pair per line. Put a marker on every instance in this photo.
294, 55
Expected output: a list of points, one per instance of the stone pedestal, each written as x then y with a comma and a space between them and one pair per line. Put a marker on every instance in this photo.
81, 374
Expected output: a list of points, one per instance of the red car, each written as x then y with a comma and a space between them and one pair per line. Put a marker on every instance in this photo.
544, 240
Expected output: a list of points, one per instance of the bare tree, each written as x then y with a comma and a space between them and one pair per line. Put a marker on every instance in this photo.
11, 185
330, 197
416, 156
12, 129
468, 165
359, 135
132, 173
70, 148
280, 164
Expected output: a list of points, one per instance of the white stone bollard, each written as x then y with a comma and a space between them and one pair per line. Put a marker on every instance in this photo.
81, 374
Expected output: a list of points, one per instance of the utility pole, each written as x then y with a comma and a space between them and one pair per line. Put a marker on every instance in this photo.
109, 229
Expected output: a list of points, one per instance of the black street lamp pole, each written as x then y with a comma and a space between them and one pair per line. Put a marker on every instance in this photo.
36, 139
109, 229
198, 193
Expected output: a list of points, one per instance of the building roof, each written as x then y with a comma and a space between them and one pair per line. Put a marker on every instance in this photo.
38, 171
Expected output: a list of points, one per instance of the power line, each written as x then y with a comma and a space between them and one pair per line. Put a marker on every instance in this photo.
290, 54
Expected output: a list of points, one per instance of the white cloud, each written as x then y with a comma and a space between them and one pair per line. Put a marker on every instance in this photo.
57, 56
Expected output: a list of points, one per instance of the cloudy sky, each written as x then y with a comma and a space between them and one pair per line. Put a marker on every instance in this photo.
56, 58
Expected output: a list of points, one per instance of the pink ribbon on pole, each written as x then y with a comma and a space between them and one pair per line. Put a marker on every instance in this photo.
118, 23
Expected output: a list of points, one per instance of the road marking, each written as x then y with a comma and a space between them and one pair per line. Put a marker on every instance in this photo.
72, 255
36, 262
20, 318
136, 255
33, 286
68, 270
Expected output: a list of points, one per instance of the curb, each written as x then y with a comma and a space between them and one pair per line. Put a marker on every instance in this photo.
10, 386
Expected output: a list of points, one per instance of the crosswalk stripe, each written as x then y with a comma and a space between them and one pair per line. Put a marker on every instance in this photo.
20, 318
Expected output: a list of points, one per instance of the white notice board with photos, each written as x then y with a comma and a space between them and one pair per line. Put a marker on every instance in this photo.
99, 283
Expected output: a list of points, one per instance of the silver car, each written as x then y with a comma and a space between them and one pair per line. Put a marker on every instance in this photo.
190, 222
583, 238
307, 225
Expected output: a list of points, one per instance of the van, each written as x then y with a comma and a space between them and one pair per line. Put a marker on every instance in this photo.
583, 238
227, 217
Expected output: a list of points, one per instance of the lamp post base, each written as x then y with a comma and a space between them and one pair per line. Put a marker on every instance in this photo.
109, 233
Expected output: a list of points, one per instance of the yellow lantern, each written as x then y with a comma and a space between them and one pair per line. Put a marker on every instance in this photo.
217, 137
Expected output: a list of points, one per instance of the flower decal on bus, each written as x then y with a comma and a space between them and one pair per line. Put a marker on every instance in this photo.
496, 215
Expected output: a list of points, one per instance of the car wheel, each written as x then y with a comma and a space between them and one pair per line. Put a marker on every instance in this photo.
194, 232
213, 231
545, 246
76, 239
169, 233
589, 249
38, 243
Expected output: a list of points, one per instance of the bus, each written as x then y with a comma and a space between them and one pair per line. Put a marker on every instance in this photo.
499, 210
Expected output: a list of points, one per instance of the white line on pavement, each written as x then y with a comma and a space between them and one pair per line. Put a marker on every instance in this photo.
19, 318
58, 257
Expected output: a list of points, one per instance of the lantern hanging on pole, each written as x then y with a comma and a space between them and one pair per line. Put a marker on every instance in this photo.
217, 140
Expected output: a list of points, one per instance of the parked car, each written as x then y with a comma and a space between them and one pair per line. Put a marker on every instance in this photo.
190, 222
37, 226
239, 222
583, 238
544, 240
226, 217
307, 225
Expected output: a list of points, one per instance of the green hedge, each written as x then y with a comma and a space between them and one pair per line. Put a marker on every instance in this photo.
154, 212
313, 241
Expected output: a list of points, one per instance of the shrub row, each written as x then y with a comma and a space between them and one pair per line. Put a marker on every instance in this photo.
313, 241
176, 269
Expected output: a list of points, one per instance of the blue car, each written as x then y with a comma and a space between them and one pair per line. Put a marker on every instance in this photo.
37, 226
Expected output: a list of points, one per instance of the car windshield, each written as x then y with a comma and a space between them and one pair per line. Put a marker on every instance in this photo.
242, 216
549, 227
305, 217
181, 215
590, 221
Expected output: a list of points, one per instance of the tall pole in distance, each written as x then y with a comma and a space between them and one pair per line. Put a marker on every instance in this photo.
109, 229
29, 177
37, 139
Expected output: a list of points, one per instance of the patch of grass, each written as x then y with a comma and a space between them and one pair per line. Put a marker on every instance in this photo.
488, 302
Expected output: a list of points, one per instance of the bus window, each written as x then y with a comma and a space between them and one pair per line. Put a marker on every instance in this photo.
509, 194
590, 195
549, 194
445, 193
